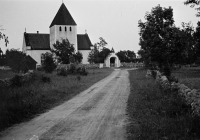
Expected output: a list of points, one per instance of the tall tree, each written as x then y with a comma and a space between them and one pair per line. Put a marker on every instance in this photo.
157, 36
192, 4
99, 53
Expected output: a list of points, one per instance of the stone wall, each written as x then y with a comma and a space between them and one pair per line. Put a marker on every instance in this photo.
132, 65
23, 78
191, 96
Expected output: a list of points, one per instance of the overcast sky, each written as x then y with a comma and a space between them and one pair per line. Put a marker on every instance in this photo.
114, 20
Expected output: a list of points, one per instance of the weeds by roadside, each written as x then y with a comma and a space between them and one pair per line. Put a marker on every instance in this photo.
44, 91
157, 114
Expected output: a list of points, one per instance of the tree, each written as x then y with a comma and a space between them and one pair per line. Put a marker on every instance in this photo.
17, 60
3, 36
63, 50
101, 44
99, 53
78, 57
159, 37
93, 56
197, 43
48, 64
126, 56
192, 4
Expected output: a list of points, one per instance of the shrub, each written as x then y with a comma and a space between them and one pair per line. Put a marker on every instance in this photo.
72, 68
62, 71
167, 71
154, 73
16, 81
82, 71
45, 79
40, 68
48, 63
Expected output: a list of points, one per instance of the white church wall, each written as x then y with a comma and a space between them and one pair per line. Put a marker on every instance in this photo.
36, 54
85, 54
56, 34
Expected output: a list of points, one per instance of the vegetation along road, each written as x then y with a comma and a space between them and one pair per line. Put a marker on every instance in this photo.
96, 113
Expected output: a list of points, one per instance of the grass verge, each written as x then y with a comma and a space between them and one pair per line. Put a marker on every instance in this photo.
189, 76
156, 114
18, 104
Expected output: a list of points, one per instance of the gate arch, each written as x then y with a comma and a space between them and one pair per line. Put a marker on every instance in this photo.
107, 60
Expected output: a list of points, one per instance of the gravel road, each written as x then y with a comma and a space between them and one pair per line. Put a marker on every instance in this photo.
97, 113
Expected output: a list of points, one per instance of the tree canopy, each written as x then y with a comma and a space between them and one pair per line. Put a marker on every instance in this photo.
126, 56
64, 50
99, 52
192, 4
161, 41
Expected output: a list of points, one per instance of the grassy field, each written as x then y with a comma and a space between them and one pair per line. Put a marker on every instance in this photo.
189, 76
155, 114
19, 104
6, 74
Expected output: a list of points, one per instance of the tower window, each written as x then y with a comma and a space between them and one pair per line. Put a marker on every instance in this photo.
65, 29
60, 28
70, 28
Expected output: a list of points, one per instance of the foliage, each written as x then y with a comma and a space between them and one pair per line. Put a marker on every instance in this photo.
16, 81
19, 104
17, 60
82, 71
48, 64
78, 57
62, 72
126, 56
163, 43
192, 4
64, 50
99, 52
2, 58
3, 36
157, 114
45, 79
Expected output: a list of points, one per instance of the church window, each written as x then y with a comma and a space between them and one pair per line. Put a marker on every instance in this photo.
42, 58
65, 29
60, 28
70, 28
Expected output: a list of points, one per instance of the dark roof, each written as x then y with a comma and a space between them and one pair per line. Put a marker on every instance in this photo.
31, 59
37, 41
84, 42
63, 17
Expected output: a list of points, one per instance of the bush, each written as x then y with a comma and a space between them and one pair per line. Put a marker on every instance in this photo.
62, 72
72, 68
48, 63
45, 79
167, 71
40, 68
82, 71
16, 81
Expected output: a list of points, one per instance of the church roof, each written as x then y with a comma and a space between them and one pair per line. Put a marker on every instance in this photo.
84, 42
63, 17
37, 41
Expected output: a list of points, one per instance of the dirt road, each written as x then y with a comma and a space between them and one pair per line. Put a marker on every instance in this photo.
98, 113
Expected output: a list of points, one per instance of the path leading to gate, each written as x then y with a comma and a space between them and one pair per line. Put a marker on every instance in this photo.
97, 113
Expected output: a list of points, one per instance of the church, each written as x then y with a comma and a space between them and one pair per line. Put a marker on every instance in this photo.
63, 26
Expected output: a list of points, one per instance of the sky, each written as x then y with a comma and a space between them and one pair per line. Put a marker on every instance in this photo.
114, 20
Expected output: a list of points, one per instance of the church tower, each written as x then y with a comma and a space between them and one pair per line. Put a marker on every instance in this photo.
63, 26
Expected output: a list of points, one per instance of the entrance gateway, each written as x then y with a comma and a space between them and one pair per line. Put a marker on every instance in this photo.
115, 58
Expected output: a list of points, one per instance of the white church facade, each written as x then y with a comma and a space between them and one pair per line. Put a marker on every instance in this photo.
63, 26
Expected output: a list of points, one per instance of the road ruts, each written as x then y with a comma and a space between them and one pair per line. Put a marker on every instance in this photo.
97, 113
